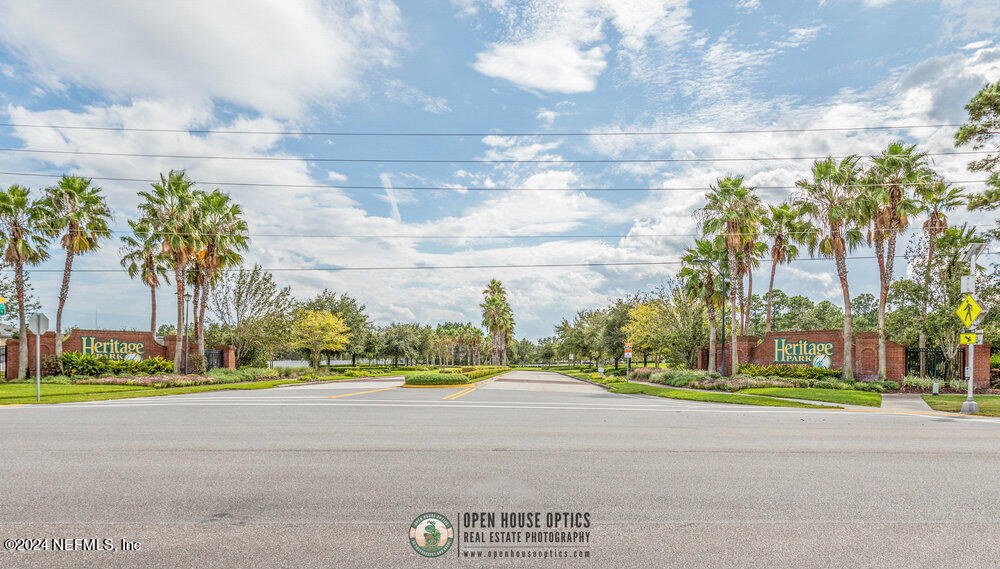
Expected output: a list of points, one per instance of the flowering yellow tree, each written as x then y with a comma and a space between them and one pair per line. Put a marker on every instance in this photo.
318, 330
647, 322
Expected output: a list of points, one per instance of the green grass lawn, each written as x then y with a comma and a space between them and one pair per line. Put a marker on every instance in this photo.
16, 393
720, 397
845, 396
988, 404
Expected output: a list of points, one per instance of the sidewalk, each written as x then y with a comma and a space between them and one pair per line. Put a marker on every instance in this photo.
904, 402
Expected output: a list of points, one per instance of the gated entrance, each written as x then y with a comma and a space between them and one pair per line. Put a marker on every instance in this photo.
213, 359
936, 365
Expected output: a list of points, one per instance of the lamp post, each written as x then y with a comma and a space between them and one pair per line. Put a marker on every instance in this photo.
971, 254
724, 281
187, 300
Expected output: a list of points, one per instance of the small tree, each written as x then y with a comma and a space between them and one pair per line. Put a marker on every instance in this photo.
318, 330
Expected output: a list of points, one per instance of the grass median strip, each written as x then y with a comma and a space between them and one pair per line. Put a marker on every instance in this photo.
24, 393
989, 405
843, 396
720, 397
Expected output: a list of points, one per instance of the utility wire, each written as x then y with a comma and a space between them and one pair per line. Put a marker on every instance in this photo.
448, 267
459, 189
458, 160
476, 134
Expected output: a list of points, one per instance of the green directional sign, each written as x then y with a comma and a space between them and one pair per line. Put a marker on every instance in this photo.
3, 306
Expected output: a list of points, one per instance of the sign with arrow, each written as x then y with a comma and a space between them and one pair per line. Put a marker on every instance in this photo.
968, 311
968, 338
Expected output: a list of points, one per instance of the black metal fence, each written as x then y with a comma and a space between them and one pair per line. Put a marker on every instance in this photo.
213, 359
936, 365
3, 362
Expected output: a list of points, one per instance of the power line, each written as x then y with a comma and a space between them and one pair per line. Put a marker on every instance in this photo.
477, 134
457, 160
457, 189
450, 267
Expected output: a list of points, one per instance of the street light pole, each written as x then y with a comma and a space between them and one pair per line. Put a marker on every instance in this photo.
187, 301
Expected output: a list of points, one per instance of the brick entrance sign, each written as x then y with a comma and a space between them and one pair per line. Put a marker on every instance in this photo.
115, 344
811, 347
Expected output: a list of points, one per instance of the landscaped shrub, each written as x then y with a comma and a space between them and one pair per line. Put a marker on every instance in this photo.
50, 365
286, 372
435, 379
153, 381
75, 363
736, 383
641, 373
788, 371
196, 364
917, 382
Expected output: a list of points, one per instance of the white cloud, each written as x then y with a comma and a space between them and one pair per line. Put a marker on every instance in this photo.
276, 58
797, 37
561, 46
336, 176
747, 5
411, 96
546, 65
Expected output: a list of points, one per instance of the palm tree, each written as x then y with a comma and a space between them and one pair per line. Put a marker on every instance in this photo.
23, 239
935, 198
733, 211
498, 319
143, 258
829, 200
79, 209
785, 227
223, 237
169, 209
886, 206
699, 280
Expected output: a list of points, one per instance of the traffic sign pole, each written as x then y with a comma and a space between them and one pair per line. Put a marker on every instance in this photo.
968, 312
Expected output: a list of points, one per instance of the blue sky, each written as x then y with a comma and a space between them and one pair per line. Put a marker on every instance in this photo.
478, 67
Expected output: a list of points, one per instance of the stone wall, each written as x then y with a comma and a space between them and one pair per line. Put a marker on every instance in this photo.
151, 348
864, 355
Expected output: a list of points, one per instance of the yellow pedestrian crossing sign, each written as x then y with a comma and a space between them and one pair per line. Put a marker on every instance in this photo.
968, 311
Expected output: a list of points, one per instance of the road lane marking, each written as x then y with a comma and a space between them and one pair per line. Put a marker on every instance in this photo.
359, 392
462, 393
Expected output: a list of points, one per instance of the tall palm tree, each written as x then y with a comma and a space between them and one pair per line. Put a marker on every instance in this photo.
498, 319
935, 198
733, 212
785, 227
143, 258
700, 280
169, 209
79, 211
223, 238
829, 200
887, 206
23, 233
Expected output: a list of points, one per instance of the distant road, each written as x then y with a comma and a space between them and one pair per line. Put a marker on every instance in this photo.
332, 475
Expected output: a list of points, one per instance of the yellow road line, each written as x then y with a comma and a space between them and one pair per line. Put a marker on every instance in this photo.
462, 393
13, 404
359, 392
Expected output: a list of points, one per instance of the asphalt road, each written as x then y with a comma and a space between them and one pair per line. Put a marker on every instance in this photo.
332, 475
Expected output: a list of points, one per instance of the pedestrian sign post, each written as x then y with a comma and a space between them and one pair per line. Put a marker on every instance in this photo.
3, 306
628, 359
970, 339
968, 311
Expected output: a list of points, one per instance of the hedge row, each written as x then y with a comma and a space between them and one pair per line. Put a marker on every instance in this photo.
76, 363
436, 379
